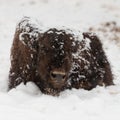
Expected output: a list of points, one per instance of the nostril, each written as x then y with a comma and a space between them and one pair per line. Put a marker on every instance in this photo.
53, 75
63, 76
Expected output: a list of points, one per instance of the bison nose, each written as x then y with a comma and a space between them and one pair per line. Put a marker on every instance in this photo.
57, 75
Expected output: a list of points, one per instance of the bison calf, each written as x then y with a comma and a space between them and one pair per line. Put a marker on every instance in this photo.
56, 60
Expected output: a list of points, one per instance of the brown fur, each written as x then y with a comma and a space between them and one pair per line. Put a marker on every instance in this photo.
43, 57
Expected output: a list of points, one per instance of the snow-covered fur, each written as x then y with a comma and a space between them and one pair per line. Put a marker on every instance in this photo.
56, 60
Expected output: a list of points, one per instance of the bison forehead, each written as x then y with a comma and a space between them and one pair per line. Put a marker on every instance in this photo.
57, 41
57, 44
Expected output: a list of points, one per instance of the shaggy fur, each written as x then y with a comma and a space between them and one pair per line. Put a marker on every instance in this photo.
57, 60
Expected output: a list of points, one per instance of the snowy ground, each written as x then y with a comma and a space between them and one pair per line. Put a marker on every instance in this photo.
27, 102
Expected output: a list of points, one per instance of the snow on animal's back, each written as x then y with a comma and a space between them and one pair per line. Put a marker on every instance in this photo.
77, 59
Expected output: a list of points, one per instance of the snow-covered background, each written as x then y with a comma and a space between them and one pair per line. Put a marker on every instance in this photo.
27, 102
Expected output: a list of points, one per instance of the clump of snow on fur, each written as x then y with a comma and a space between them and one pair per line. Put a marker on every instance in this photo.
29, 31
26, 102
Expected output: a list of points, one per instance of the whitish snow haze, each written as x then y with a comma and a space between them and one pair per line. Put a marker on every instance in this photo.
27, 102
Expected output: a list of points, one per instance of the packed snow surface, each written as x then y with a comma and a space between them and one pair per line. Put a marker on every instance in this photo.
27, 102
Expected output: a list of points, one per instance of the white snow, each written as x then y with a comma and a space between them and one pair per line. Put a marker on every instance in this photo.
27, 102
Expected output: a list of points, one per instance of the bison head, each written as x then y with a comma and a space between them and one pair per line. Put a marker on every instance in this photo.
55, 57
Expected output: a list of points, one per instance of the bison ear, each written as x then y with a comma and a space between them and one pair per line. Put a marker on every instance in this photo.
28, 32
25, 38
30, 39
